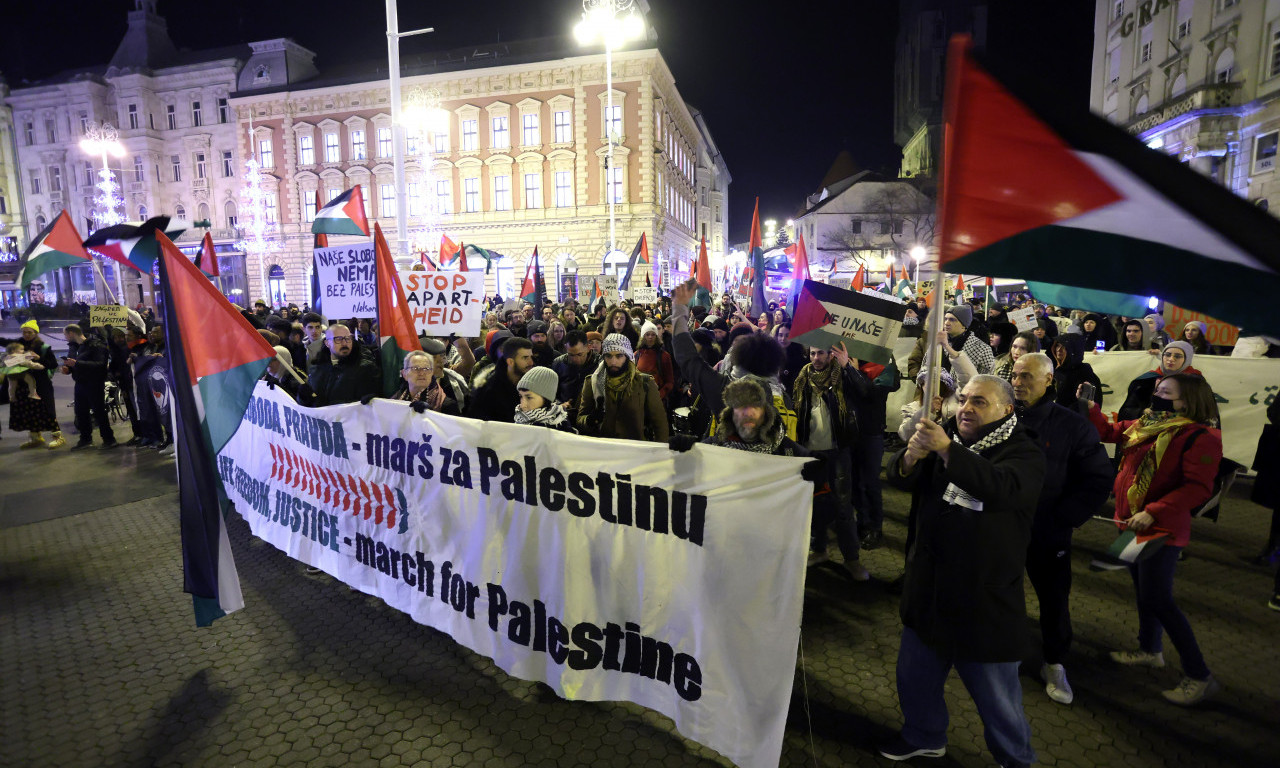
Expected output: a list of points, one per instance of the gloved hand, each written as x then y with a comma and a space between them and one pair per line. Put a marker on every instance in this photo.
367, 399
418, 406
681, 443
271, 383
814, 471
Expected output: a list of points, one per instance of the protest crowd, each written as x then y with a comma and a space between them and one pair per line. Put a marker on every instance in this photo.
1004, 464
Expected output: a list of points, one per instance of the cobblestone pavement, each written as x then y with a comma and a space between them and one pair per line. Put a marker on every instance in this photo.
101, 663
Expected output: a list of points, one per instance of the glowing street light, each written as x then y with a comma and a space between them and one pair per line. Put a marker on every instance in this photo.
103, 140
612, 22
918, 253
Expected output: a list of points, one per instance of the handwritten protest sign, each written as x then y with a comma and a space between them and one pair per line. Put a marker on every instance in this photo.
644, 295
1217, 332
867, 323
346, 277
444, 302
108, 314
1024, 319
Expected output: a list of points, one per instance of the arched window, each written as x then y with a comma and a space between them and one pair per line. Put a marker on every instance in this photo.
1141, 107
142, 213
275, 286
202, 213
616, 264
180, 211
231, 214
1179, 85
566, 286
1225, 68
40, 223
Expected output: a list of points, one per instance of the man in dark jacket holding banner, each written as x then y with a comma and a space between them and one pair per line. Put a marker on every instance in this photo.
345, 371
1078, 479
974, 483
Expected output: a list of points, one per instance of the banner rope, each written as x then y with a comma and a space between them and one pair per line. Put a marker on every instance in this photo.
808, 713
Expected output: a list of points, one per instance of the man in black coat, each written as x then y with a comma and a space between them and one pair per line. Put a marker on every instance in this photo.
494, 393
1078, 479
975, 481
87, 361
345, 371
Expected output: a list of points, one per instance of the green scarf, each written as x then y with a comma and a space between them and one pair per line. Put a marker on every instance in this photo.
819, 382
619, 385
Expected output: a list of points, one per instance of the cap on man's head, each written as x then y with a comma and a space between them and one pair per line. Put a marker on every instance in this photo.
535, 326
432, 346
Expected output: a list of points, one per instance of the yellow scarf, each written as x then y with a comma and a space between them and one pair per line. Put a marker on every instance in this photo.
1162, 427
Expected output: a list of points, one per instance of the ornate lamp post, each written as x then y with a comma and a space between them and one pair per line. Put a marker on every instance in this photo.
253, 233
423, 118
103, 140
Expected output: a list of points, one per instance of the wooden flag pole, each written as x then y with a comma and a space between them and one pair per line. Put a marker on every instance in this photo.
933, 356
98, 268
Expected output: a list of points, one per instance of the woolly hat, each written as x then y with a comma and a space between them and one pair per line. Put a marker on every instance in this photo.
32, 325
1186, 350
945, 379
432, 346
703, 336
535, 326
595, 336
746, 392
963, 313
541, 381
616, 342
650, 326
285, 358
1204, 329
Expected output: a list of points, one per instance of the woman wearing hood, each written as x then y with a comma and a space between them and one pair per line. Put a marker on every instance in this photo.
1176, 358
1135, 336
1097, 328
1159, 339
1194, 334
1070, 369
653, 358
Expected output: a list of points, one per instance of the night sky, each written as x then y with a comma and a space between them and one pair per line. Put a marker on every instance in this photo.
784, 86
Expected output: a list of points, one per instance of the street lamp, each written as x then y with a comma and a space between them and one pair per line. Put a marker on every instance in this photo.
424, 119
612, 22
918, 253
103, 140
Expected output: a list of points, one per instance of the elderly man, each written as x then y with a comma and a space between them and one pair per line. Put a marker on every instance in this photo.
974, 483
1078, 479
345, 371
454, 383
620, 401
421, 389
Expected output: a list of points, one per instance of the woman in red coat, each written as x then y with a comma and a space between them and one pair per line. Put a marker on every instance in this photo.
653, 359
1170, 457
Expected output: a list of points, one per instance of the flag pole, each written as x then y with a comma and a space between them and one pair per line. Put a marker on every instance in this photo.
98, 268
987, 310
933, 358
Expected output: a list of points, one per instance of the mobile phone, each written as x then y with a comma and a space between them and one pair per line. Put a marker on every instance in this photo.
1086, 391
1101, 346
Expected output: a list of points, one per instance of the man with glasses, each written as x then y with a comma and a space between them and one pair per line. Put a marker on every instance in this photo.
344, 371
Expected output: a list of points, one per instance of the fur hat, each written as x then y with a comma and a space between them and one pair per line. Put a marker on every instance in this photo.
963, 313
541, 381
595, 336
616, 342
745, 392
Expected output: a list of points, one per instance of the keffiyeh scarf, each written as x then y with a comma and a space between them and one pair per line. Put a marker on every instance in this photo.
960, 498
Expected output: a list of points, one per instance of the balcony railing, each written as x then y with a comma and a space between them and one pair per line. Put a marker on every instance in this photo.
1206, 97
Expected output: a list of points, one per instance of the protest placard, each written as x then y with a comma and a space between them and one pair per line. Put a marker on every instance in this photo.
843, 283
347, 284
867, 323
568, 287
444, 303
1217, 333
1024, 319
644, 295
108, 314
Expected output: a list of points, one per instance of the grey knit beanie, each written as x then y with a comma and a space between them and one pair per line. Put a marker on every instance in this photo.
963, 313
541, 381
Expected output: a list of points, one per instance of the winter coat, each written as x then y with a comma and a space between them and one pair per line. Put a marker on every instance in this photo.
856, 387
572, 376
1266, 462
1078, 473
1140, 391
1074, 371
871, 408
350, 379
92, 357
656, 362
637, 415
1182, 482
493, 396
962, 592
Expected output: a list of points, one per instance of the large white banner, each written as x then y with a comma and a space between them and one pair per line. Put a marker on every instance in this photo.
609, 569
1243, 387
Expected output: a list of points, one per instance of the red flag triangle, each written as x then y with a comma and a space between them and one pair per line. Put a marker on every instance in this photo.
859, 280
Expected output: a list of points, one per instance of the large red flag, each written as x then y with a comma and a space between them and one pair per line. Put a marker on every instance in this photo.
207, 259
395, 322
703, 271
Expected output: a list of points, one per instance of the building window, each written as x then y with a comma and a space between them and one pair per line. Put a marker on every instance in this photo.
84, 122
195, 114
171, 115
1184, 29
415, 198
1117, 10
470, 135
88, 173
50, 134
308, 206
613, 122
411, 145
502, 193
564, 128
440, 142
133, 117
531, 134
55, 179
139, 170
501, 136
564, 189
1144, 55
29, 133
331, 151
230, 210
384, 142
1274, 69
269, 201
223, 111
176, 162
357, 145
1226, 66
306, 151
614, 184
471, 194
1264, 152
228, 165
387, 201
266, 157
533, 190
201, 168
444, 193
855, 227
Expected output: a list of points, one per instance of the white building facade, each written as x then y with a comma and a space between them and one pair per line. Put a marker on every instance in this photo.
1198, 79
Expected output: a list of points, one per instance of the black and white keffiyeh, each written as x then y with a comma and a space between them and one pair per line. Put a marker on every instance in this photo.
552, 415
960, 498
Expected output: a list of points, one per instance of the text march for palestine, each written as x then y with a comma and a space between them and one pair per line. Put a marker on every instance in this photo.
58, 245
1036, 190
215, 358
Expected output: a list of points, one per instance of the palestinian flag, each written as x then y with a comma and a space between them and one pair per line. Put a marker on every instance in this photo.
450, 254
343, 215
597, 295
476, 251
859, 279
864, 322
959, 289
1034, 191
639, 255
533, 290
135, 245
319, 240
58, 245
207, 258
756, 260
1133, 547
215, 358
395, 322
903, 289
426, 261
